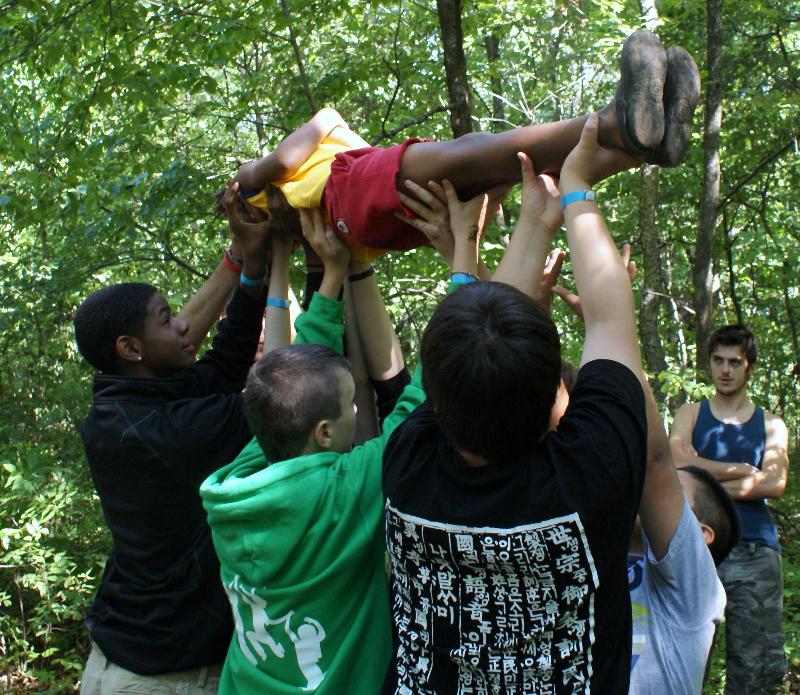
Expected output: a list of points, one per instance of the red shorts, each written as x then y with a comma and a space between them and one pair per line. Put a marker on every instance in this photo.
361, 195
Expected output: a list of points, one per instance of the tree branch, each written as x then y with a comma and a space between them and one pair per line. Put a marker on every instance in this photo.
299, 59
415, 121
765, 162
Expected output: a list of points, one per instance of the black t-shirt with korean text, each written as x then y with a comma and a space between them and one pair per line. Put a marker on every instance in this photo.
511, 578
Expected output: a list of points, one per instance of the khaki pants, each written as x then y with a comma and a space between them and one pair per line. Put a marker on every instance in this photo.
102, 677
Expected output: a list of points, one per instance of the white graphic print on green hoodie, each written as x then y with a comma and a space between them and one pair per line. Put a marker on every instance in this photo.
301, 548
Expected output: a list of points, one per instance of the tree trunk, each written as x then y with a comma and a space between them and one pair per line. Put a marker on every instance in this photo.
492, 43
455, 66
653, 289
709, 210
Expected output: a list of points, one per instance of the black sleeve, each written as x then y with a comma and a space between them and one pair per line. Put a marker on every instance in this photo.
388, 392
600, 444
313, 283
223, 369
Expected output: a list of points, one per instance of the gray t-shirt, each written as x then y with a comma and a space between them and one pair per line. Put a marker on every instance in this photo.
676, 603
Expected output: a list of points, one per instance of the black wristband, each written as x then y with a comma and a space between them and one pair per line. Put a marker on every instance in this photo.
362, 275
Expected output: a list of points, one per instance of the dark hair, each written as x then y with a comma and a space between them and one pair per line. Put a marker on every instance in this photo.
491, 361
737, 335
714, 507
107, 314
569, 375
288, 391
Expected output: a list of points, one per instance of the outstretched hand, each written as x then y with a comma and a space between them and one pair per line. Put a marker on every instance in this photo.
541, 200
252, 237
573, 301
589, 163
323, 240
433, 216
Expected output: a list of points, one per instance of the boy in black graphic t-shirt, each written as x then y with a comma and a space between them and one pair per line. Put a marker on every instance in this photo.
508, 543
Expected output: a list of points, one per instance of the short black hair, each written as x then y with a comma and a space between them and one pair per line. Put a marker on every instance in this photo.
714, 507
107, 314
737, 335
491, 362
288, 391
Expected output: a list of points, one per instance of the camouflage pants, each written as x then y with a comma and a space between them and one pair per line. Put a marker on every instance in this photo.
754, 658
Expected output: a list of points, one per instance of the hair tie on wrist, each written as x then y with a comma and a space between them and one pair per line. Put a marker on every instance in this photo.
362, 275
278, 302
231, 262
576, 196
248, 282
462, 278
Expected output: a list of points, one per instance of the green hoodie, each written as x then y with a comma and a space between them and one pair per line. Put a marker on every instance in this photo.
301, 547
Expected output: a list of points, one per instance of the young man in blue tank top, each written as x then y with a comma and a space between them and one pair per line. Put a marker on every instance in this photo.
745, 448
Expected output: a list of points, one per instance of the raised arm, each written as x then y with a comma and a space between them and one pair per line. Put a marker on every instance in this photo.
290, 154
379, 343
203, 310
600, 276
277, 328
661, 505
540, 218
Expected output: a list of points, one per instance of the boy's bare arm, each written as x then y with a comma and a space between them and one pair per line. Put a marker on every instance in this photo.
662, 500
770, 480
684, 454
600, 275
540, 218
277, 328
379, 343
290, 154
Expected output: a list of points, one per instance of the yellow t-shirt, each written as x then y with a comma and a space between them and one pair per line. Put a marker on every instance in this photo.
304, 188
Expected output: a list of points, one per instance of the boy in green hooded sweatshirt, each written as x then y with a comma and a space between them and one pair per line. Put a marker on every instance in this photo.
297, 518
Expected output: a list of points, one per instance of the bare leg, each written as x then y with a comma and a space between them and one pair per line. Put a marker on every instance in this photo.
478, 161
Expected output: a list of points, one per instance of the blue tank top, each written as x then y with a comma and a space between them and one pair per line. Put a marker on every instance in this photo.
743, 443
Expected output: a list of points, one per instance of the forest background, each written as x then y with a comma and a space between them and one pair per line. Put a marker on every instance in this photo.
120, 120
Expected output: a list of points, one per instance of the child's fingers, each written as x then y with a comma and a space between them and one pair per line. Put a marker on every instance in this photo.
572, 300
438, 191
450, 192
422, 194
626, 254
526, 165
306, 223
413, 204
632, 271
589, 133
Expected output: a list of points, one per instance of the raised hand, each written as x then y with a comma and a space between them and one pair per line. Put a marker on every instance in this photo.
589, 163
433, 216
541, 200
573, 301
334, 254
252, 237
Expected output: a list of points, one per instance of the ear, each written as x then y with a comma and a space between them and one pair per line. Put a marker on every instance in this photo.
708, 533
128, 348
323, 436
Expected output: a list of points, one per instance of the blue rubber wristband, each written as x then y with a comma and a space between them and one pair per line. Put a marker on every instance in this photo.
462, 278
278, 303
576, 196
247, 282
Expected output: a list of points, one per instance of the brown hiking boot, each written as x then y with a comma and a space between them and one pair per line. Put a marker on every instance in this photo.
681, 94
639, 96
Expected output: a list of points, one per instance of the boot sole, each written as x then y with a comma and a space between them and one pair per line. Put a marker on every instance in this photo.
681, 94
640, 93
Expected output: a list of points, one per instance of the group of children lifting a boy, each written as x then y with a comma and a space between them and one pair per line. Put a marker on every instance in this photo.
478, 543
